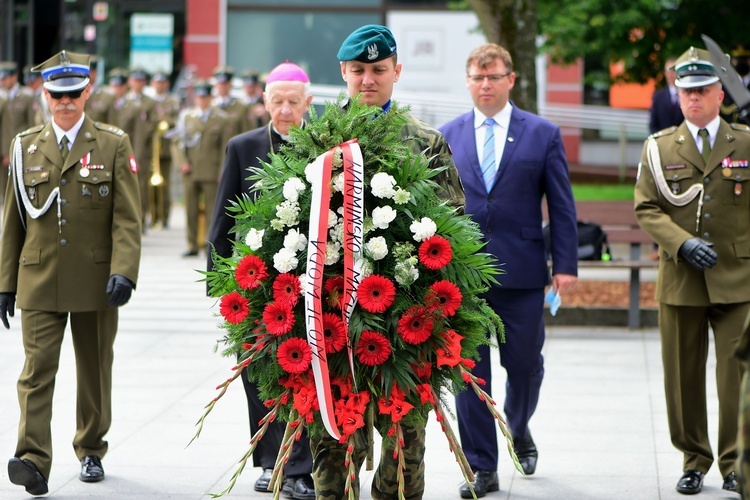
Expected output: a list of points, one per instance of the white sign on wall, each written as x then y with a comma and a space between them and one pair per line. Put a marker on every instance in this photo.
151, 38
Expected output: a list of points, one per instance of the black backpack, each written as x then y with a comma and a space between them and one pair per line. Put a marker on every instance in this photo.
592, 242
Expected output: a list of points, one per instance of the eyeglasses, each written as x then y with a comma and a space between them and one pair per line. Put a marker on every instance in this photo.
59, 95
492, 78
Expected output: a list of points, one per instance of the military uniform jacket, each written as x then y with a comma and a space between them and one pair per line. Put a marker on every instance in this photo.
99, 104
137, 117
237, 112
167, 110
19, 115
63, 263
203, 143
724, 218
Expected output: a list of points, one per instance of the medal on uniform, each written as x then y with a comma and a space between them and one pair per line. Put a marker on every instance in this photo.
726, 172
85, 190
675, 188
32, 193
737, 188
84, 172
104, 191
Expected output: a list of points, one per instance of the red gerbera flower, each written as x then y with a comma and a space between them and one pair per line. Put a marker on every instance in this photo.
334, 331
415, 326
335, 289
435, 252
287, 289
373, 348
444, 296
376, 293
279, 318
250, 272
294, 355
234, 307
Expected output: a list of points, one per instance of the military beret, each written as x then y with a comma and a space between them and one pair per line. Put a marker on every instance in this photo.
694, 69
8, 68
138, 73
160, 76
202, 88
118, 76
223, 73
370, 43
65, 71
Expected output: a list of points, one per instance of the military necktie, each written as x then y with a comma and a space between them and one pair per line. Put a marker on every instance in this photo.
489, 166
706, 149
64, 148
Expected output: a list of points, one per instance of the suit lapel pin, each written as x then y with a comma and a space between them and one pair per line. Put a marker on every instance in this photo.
32, 149
510, 139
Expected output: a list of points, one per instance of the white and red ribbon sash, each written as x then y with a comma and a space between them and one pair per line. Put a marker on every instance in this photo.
319, 173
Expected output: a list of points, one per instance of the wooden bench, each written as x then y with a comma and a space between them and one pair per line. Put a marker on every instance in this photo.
619, 222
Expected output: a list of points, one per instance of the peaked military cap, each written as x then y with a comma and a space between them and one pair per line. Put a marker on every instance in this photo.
223, 73
29, 75
138, 73
65, 71
160, 76
94, 63
8, 68
370, 43
249, 77
118, 76
202, 88
694, 69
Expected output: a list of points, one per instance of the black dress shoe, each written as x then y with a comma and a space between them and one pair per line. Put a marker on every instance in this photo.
299, 488
730, 482
691, 482
91, 469
485, 481
527, 454
25, 473
263, 481
190, 253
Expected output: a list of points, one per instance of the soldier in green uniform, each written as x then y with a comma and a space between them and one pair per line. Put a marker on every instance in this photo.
692, 197
236, 110
205, 131
369, 66
70, 251
102, 99
33, 81
257, 116
167, 111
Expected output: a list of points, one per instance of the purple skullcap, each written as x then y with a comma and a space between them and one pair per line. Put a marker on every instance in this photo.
287, 72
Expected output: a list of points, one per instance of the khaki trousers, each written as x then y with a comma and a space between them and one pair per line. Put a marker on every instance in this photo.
684, 342
93, 338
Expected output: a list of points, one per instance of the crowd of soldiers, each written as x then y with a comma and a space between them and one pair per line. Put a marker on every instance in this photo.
171, 135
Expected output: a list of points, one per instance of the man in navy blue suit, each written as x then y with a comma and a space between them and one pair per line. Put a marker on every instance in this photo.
665, 105
509, 160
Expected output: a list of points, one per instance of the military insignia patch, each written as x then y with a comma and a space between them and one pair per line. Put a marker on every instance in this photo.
133, 165
372, 51
103, 190
672, 167
32, 149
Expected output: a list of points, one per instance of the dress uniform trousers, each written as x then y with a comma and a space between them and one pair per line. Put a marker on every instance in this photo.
193, 191
93, 339
684, 341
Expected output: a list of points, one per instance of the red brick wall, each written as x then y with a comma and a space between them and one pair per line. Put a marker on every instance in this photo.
202, 37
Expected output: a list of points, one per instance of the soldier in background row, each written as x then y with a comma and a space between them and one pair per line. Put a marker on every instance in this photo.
19, 111
236, 110
102, 98
204, 133
33, 81
257, 116
167, 112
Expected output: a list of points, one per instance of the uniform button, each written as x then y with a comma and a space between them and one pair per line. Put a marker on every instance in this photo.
63, 182
95, 179
707, 216
706, 180
63, 202
739, 178
63, 222
23, 259
707, 197
706, 235
675, 177
63, 242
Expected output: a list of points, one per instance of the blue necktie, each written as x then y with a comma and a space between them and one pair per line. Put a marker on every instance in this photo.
489, 166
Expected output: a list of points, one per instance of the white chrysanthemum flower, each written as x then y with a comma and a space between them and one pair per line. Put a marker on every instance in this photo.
401, 196
365, 267
333, 250
406, 271
293, 187
338, 182
337, 232
295, 241
338, 158
376, 248
309, 177
382, 185
285, 260
288, 213
254, 238
426, 228
332, 219
382, 216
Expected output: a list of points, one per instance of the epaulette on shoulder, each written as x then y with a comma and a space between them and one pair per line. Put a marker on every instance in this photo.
108, 128
662, 133
740, 126
33, 130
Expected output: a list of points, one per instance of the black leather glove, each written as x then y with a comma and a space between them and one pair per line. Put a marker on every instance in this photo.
7, 307
698, 252
119, 290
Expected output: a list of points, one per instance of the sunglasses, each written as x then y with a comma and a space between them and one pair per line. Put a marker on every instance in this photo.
72, 95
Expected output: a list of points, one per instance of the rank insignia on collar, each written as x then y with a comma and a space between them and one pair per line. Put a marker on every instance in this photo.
32, 149
681, 139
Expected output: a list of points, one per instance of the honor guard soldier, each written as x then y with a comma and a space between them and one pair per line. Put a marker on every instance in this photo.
236, 110
19, 112
257, 116
70, 252
204, 133
167, 112
33, 81
101, 99
692, 197
135, 113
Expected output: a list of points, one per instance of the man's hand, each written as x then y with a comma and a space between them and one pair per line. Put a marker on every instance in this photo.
119, 290
563, 283
698, 252
7, 307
